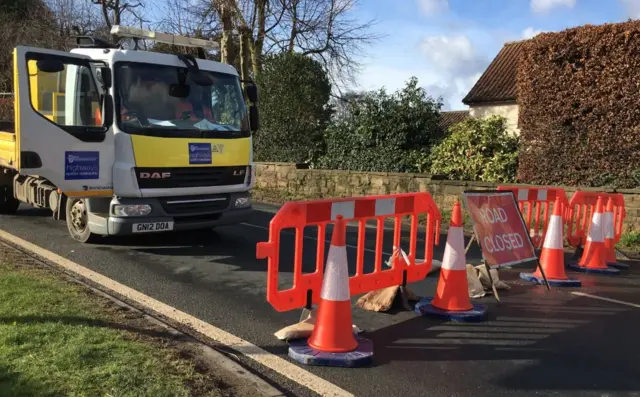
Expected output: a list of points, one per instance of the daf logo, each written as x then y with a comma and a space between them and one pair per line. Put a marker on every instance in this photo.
155, 175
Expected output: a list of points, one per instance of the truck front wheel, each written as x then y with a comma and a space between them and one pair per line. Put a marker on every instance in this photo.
78, 221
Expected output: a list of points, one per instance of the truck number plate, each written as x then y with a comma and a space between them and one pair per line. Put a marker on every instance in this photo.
152, 227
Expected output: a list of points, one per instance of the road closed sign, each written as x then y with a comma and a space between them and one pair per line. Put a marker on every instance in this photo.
499, 228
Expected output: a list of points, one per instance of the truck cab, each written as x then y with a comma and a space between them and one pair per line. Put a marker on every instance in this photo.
122, 142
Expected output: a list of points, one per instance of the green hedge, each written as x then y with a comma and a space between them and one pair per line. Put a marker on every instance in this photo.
294, 95
579, 95
477, 150
383, 132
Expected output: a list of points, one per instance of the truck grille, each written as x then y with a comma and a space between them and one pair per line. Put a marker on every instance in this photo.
195, 204
181, 177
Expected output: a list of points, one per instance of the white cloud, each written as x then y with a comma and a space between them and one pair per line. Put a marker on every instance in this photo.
391, 77
453, 90
632, 7
544, 6
452, 54
432, 7
446, 64
530, 32
437, 83
456, 63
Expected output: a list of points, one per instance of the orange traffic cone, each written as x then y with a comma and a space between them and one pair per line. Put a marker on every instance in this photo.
609, 238
332, 341
552, 255
452, 295
594, 256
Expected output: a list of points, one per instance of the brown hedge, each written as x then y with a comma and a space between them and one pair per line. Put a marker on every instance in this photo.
579, 98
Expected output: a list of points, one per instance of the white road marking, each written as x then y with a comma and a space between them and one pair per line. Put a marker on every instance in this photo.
269, 360
602, 298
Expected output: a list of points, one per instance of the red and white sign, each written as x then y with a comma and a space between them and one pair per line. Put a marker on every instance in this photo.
499, 228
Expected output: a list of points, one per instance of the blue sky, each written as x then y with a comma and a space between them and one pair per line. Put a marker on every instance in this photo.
447, 44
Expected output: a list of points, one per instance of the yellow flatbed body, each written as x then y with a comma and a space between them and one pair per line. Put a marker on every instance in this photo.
8, 149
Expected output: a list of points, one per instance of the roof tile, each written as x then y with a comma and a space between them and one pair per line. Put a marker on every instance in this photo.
498, 82
450, 118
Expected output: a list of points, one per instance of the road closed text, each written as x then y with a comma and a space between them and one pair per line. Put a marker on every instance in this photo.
499, 227
499, 242
503, 242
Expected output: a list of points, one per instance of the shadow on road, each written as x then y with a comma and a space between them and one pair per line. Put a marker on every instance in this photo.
33, 212
230, 240
554, 341
236, 245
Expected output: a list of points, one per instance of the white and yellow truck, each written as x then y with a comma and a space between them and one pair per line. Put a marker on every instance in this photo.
121, 142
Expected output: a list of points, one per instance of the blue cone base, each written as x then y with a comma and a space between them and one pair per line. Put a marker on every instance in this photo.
618, 265
607, 271
300, 351
477, 314
571, 282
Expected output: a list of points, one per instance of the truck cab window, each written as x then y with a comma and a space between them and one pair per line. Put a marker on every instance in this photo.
162, 100
68, 98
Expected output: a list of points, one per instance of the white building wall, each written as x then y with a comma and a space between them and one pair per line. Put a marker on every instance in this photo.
507, 110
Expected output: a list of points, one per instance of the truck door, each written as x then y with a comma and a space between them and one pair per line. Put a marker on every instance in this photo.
61, 131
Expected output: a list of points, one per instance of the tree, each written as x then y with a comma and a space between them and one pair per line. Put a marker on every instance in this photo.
19, 8
119, 12
76, 17
249, 30
294, 93
238, 25
477, 150
28, 23
183, 17
384, 133
327, 31
343, 104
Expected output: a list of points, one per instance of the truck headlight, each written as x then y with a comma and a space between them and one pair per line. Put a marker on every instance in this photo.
242, 202
131, 209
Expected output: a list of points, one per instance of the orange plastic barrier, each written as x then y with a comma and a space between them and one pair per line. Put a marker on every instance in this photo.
538, 201
320, 213
580, 211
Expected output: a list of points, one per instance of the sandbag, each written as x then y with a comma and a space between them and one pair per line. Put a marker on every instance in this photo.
486, 281
476, 289
302, 330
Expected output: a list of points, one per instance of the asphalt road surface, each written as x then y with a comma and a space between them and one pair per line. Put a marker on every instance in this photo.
537, 342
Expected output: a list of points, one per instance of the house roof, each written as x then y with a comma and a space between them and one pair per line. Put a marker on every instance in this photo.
498, 82
448, 119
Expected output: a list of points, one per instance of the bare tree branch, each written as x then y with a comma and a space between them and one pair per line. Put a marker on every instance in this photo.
326, 30
118, 12
77, 17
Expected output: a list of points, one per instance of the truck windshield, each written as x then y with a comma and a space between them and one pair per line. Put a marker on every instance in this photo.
154, 100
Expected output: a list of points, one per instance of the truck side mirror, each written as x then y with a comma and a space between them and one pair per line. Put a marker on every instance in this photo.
252, 92
105, 76
254, 118
108, 111
50, 65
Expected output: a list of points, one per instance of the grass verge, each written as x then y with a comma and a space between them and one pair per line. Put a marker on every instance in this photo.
630, 243
58, 338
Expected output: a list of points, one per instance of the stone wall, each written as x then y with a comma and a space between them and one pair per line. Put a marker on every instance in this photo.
297, 184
